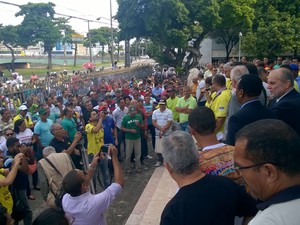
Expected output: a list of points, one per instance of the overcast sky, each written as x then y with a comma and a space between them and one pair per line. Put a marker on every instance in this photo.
87, 9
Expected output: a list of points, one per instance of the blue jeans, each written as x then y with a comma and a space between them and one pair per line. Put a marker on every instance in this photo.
121, 139
101, 173
185, 126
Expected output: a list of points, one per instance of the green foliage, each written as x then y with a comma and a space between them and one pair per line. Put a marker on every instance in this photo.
39, 25
171, 23
275, 30
237, 16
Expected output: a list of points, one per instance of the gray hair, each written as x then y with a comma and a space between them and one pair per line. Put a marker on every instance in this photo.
180, 152
53, 126
48, 150
237, 72
228, 65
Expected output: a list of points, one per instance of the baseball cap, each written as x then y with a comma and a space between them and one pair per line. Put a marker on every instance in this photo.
23, 107
102, 108
107, 95
132, 108
162, 102
42, 111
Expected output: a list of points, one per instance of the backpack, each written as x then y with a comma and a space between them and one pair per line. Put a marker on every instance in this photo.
61, 192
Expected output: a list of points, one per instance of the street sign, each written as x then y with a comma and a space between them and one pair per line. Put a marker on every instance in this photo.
77, 37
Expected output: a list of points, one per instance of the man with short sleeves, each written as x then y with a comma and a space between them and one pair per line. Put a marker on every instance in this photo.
162, 119
42, 131
118, 115
184, 106
132, 124
201, 199
219, 102
68, 123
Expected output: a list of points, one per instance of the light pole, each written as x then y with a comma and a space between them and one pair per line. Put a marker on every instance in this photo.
90, 41
240, 42
111, 36
63, 32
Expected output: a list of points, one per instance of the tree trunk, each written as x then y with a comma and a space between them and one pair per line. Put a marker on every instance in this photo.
102, 54
75, 55
118, 57
49, 59
13, 58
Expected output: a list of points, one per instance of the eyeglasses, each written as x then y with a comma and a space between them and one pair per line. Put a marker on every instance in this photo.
9, 134
60, 128
237, 168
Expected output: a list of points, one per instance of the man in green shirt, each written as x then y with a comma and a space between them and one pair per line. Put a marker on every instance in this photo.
131, 125
184, 106
171, 104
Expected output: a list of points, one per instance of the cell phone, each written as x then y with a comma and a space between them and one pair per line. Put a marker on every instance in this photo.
104, 148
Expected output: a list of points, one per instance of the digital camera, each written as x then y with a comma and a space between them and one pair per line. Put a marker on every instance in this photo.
104, 148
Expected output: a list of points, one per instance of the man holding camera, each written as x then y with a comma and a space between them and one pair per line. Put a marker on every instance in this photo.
79, 204
95, 136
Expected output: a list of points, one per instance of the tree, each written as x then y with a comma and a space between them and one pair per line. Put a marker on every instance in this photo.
101, 35
39, 25
275, 29
168, 22
9, 38
236, 16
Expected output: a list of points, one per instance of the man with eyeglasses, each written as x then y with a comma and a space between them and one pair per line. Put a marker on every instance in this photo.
267, 155
6, 119
8, 132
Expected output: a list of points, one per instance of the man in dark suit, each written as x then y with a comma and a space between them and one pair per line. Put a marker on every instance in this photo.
286, 103
248, 91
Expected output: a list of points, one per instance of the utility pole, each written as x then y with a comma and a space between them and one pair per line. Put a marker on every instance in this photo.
240, 44
112, 37
90, 41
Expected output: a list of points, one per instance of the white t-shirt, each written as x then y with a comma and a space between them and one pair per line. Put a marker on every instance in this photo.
162, 118
25, 136
286, 213
200, 86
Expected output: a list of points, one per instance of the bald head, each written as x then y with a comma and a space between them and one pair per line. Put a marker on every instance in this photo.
280, 81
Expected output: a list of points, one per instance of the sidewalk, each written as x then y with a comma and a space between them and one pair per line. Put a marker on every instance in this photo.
159, 190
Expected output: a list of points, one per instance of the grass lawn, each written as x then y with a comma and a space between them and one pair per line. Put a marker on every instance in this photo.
38, 66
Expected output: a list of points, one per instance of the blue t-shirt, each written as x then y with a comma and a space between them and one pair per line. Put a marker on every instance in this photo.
108, 125
148, 108
42, 129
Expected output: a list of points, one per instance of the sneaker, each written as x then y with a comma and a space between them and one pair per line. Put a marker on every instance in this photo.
158, 164
148, 157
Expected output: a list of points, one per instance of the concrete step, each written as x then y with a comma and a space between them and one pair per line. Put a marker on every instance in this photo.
159, 190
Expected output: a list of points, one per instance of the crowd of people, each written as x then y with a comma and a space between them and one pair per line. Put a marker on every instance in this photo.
214, 132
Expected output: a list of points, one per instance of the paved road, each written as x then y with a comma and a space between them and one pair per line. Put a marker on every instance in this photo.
122, 207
